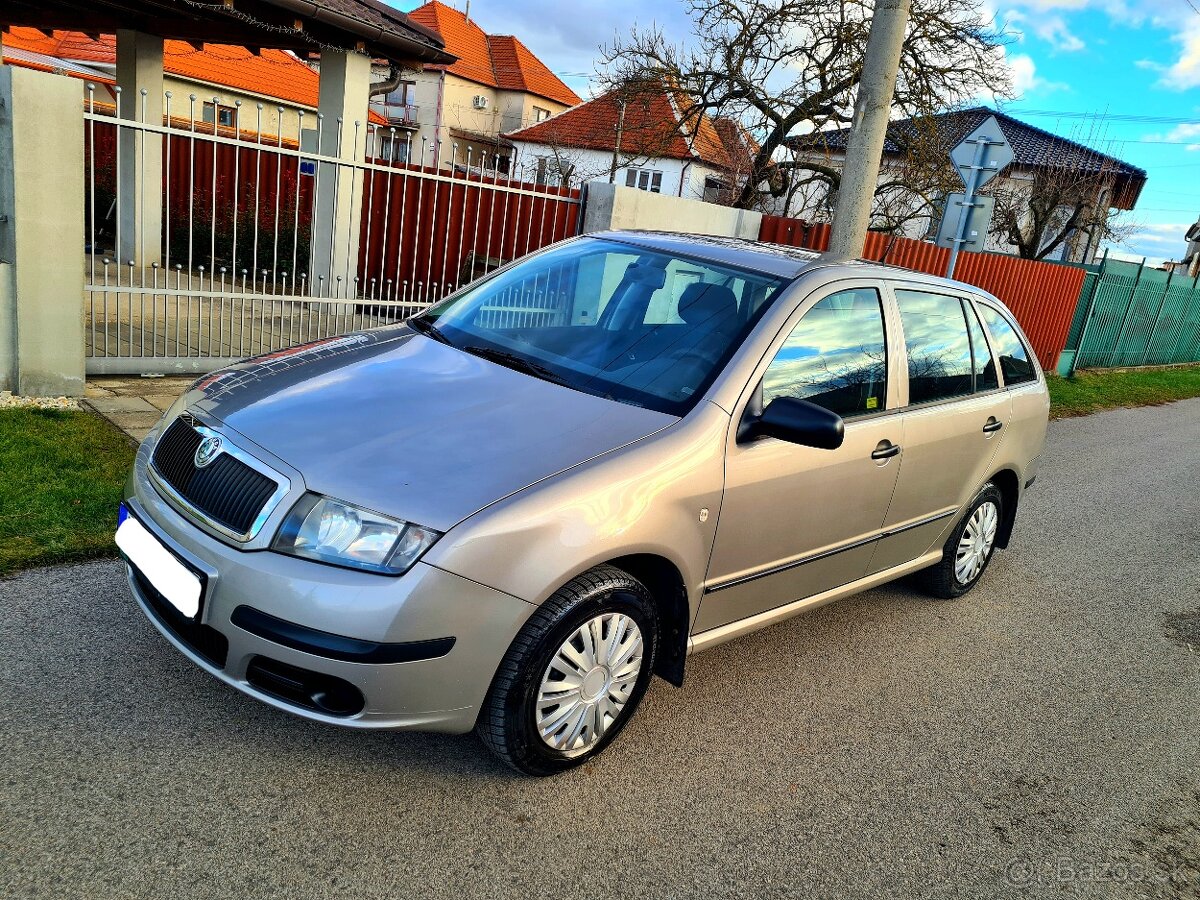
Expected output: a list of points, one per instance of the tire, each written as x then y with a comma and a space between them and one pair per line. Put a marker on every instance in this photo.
948, 579
594, 707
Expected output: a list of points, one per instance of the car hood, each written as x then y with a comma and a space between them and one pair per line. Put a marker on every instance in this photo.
404, 425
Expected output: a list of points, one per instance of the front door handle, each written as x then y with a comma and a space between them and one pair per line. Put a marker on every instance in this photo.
885, 450
993, 425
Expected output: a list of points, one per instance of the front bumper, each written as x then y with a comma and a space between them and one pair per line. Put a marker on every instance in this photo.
411, 616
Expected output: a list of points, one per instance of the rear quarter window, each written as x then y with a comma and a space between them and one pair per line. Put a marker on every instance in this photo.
1015, 360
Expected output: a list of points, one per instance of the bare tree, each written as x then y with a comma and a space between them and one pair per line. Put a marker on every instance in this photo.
916, 178
788, 67
1066, 200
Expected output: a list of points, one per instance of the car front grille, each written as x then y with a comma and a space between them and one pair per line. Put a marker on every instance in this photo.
226, 491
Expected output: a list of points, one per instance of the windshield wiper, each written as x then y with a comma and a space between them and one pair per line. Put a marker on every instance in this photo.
515, 362
425, 327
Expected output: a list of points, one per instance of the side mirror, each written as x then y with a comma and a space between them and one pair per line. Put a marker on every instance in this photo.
797, 422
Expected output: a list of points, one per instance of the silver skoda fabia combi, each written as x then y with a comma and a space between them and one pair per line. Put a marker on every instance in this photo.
510, 512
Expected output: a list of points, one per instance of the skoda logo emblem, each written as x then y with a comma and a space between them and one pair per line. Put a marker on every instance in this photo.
208, 450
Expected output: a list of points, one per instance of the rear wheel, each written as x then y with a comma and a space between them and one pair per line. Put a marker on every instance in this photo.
573, 676
969, 548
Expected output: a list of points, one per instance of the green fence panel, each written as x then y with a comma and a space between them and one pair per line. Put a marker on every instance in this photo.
1135, 316
1171, 324
1110, 306
1134, 336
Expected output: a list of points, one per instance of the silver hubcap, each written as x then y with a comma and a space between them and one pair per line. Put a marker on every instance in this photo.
976, 543
588, 682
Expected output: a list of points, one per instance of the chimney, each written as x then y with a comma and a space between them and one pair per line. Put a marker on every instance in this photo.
467, 11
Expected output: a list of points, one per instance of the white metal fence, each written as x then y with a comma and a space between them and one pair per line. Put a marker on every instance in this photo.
211, 242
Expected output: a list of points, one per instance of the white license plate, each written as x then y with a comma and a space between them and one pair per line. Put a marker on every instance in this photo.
176, 582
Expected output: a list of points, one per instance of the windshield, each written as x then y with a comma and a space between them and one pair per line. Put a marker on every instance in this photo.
617, 320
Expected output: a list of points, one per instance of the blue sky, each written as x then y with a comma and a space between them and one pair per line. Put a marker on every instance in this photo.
1096, 62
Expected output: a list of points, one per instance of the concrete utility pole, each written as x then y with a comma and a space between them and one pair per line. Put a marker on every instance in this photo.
860, 173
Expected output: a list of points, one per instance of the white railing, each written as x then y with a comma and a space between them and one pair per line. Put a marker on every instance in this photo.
252, 240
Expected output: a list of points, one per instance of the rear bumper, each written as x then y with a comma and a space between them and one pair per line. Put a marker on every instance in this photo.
333, 645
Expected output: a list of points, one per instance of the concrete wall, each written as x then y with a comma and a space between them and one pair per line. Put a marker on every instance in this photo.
41, 239
611, 206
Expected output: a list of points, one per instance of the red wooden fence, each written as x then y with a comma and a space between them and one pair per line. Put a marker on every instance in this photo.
1041, 295
440, 230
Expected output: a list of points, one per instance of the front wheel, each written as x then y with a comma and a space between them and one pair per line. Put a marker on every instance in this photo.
574, 674
969, 548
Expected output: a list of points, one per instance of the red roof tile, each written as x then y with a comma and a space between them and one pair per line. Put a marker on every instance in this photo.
499, 61
273, 73
658, 123
518, 69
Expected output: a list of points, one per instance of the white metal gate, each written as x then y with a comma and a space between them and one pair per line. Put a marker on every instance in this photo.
210, 242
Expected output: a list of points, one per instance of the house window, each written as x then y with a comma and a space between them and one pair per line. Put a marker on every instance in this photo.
392, 148
715, 190
540, 115
223, 116
644, 180
400, 106
405, 94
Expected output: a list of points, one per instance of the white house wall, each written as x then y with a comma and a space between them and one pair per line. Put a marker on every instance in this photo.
594, 165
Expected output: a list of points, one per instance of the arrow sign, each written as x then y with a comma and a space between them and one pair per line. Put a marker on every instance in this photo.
996, 153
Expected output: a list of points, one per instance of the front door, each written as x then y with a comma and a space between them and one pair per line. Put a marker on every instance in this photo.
953, 424
796, 521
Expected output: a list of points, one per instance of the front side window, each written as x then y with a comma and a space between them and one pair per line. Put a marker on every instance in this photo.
641, 326
540, 115
940, 365
1014, 358
836, 357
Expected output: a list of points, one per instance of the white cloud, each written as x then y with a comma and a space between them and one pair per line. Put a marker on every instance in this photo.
1181, 133
1054, 31
1185, 73
1023, 72
1156, 242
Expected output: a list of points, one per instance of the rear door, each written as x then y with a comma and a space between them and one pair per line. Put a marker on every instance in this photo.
954, 420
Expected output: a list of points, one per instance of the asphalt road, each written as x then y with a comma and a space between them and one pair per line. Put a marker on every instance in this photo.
1039, 738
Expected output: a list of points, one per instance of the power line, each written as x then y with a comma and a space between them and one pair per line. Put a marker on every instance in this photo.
1111, 117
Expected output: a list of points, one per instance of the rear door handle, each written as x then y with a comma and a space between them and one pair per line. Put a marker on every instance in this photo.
992, 426
885, 450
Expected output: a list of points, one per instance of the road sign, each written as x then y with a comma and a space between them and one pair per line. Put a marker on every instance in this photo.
997, 153
979, 157
980, 217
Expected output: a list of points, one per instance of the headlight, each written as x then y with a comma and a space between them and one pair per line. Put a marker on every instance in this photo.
337, 533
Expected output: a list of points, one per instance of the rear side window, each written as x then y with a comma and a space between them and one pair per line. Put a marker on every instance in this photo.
836, 357
940, 364
1014, 358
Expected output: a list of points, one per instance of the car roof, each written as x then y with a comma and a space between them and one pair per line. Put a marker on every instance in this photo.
779, 260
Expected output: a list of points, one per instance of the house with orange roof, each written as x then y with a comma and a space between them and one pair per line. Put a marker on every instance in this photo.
229, 83
496, 85
649, 137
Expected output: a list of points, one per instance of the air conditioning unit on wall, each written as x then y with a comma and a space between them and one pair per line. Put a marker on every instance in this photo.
479, 101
